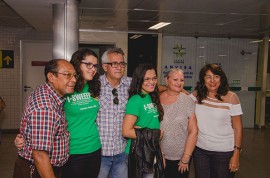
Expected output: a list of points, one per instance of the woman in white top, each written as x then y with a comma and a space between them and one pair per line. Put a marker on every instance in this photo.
179, 125
218, 113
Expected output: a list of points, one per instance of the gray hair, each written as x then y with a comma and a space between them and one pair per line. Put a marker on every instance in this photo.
105, 57
174, 70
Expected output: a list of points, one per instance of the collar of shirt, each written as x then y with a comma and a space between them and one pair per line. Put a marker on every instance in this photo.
123, 81
60, 100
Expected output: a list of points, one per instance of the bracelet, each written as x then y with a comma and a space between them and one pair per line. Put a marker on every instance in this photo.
187, 154
238, 148
183, 162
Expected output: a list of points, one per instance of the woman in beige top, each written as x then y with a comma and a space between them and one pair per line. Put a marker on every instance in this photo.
179, 125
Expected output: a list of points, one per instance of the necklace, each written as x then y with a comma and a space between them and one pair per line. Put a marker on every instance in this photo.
214, 99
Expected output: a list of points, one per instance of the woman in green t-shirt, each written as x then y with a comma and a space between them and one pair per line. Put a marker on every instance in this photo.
81, 109
143, 111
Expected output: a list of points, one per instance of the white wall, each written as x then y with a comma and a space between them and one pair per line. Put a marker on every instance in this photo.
10, 77
237, 57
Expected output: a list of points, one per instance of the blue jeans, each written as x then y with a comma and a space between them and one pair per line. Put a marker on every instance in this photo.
114, 166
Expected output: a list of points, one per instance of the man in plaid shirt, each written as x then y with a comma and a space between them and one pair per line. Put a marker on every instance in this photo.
112, 100
43, 124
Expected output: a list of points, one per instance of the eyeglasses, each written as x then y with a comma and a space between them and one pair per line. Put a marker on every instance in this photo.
115, 94
116, 64
90, 65
68, 75
212, 77
154, 79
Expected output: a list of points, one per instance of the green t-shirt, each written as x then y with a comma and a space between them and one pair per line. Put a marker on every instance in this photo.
81, 113
146, 112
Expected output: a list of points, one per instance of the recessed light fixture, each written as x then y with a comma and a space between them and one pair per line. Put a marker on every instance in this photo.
159, 25
135, 36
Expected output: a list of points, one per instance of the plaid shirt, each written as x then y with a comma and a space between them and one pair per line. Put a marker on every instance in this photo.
44, 126
110, 116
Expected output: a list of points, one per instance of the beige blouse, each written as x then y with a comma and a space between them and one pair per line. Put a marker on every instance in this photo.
175, 126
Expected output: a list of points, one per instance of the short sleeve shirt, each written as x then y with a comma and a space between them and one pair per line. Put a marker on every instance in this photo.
146, 112
44, 126
81, 113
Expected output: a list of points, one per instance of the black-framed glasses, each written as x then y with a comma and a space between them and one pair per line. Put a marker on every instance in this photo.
68, 75
154, 79
116, 64
115, 94
90, 65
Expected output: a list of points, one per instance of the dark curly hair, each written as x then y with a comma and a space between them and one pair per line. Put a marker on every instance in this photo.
136, 87
94, 84
201, 89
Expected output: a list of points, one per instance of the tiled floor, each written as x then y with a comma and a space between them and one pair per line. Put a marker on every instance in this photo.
255, 158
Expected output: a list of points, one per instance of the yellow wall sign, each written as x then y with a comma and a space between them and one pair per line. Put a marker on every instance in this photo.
6, 59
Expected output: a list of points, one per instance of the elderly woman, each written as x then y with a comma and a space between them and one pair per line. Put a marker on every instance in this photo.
218, 112
179, 125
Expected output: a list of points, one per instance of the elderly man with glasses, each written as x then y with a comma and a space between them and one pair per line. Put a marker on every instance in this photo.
43, 124
112, 100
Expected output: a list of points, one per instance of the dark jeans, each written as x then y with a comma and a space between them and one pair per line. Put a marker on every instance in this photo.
212, 164
171, 170
83, 165
25, 169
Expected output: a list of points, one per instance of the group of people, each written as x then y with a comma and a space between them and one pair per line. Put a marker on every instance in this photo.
80, 124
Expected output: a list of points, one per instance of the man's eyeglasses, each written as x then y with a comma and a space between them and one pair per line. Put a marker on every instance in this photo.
115, 94
90, 65
116, 64
154, 79
68, 75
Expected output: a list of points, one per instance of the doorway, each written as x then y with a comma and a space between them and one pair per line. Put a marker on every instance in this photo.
142, 48
99, 49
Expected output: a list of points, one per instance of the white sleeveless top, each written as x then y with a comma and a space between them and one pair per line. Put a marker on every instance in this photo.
215, 125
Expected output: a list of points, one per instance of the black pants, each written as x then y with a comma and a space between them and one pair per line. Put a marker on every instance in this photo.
25, 169
171, 170
212, 164
83, 165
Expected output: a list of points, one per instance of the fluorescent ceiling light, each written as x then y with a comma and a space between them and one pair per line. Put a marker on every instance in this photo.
159, 25
257, 41
222, 55
135, 37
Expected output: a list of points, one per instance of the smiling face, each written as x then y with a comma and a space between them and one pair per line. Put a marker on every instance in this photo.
212, 81
88, 70
150, 81
175, 81
60, 81
114, 73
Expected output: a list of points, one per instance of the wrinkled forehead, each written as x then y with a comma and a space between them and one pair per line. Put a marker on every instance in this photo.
116, 57
65, 66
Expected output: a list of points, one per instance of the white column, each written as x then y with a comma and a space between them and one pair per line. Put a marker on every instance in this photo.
65, 29
262, 82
